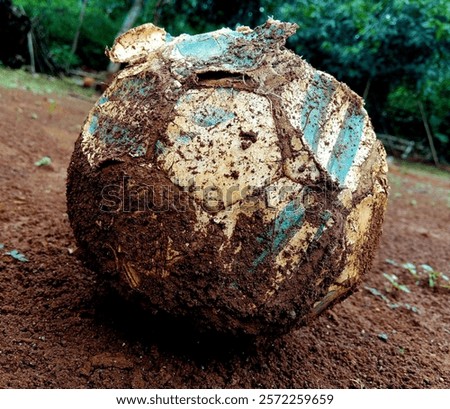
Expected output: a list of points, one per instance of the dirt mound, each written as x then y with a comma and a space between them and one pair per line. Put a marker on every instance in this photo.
59, 329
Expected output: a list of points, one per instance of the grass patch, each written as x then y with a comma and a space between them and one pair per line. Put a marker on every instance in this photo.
432, 188
41, 84
422, 169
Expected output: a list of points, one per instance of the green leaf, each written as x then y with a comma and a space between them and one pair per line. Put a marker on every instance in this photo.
427, 268
384, 337
404, 288
17, 255
411, 268
374, 291
393, 279
442, 137
390, 261
433, 278
377, 293
394, 306
412, 308
44, 161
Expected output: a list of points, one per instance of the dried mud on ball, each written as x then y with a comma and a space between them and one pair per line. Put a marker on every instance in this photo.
224, 179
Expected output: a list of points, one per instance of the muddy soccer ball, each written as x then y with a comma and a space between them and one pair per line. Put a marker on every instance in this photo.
226, 180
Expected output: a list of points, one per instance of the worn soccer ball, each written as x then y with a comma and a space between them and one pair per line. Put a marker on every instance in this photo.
227, 181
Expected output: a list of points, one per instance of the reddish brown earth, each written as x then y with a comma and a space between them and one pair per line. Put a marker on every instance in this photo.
60, 329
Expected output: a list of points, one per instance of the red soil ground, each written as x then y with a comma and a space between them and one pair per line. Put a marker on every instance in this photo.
59, 329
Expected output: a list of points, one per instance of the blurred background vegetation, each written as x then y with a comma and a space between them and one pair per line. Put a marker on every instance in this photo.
394, 53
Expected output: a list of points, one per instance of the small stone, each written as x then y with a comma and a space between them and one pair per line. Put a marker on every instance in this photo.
384, 337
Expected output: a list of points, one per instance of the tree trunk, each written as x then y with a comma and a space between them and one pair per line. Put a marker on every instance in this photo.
80, 23
31, 51
429, 134
128, 23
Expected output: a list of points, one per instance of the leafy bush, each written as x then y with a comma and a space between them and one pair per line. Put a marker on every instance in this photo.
402, 106
58, 20
62, 55
394, 52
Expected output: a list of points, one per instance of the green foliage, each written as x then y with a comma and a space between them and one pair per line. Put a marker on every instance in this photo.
390, 304
362, 39
434, 94
62, 55
424, 275
394, 52
193, 16
383, 336
435, 278
99, 29
58, 20
393, 279
44, 161
17, 255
